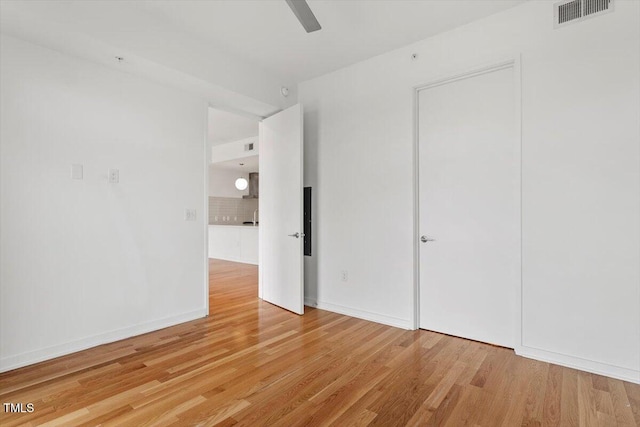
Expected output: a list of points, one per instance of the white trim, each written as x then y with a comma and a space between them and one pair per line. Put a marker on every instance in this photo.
511, 62
301, 220
360, 314
47, 353
260, 229
416, 215
517, 75
232, 259
625, 374
205, 214
474, 72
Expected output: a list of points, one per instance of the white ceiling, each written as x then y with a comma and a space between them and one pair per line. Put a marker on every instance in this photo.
226, 127
245, 164
263, 35
267, 32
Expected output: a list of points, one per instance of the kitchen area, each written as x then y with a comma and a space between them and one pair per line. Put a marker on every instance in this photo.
234, 188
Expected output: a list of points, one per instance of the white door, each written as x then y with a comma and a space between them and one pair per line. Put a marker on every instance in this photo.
281, 210
469, 192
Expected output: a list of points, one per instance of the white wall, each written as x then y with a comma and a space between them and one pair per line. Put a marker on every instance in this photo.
581, 179
222, 183
83, 261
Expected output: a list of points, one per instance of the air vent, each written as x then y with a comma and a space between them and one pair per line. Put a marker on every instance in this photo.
571, 11
596, 6
248, 147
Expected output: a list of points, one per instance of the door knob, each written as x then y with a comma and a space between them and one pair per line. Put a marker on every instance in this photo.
425, 239
296, 235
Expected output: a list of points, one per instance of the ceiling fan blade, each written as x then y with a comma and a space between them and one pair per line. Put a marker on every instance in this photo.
304, 14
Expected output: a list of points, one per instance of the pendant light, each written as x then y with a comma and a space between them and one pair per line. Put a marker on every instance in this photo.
242, 183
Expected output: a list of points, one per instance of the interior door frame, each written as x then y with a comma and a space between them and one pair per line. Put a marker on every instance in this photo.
513, 62
205, 211
207, 162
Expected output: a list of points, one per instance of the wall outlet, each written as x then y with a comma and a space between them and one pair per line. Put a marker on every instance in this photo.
76, 171
114, 176
344, 275
189, 214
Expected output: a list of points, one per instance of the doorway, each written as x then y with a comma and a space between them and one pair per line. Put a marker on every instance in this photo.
233, 194
469, 204
256, 200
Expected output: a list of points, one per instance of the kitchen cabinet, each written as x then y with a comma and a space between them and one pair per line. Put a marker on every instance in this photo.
237, 243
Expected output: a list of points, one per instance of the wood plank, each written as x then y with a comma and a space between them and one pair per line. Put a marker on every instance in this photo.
569, 415
621, 403
553, 397
587, 410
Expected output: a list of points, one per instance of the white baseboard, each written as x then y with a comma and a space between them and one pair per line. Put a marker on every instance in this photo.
625, 374
40, 355
360, 314
617, 372
232, 259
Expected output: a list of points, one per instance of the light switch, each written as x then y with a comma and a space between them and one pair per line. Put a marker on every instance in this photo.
114, 176
189, 214
76, 171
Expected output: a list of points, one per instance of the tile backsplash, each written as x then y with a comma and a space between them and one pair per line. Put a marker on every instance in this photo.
231, 211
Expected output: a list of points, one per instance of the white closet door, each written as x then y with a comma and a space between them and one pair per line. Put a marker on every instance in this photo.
469, 191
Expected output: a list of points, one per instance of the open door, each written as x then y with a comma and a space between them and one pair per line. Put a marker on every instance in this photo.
281, 210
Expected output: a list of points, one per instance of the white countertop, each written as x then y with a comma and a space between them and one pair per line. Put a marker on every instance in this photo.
235, 225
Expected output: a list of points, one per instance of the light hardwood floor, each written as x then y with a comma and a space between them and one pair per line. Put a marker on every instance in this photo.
251, 364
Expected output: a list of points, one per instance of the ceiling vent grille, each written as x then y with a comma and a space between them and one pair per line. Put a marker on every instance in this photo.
571, 11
